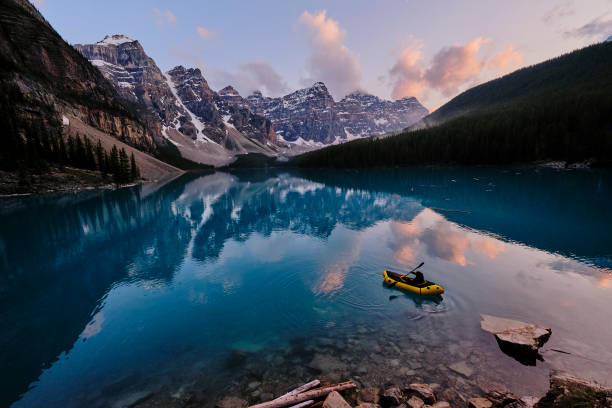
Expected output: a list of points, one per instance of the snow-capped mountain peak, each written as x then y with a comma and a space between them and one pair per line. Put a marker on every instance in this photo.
116, 39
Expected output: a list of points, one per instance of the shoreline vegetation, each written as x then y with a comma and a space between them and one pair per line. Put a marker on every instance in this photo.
43, 164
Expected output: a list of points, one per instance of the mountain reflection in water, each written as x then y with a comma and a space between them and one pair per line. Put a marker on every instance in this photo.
153, 287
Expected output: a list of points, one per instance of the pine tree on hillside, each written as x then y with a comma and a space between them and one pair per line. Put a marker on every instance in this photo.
135, 171
71, 151
79, 152
113, 162
100, 157
90, 161
124, 167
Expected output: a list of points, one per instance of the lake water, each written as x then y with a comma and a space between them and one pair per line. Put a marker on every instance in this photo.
204, 285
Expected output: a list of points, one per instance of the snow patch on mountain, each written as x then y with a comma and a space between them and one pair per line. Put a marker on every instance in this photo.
200, 135
116, 39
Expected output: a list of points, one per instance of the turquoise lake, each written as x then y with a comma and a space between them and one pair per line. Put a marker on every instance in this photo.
206, 284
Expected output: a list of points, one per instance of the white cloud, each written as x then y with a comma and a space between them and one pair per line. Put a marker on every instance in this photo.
252, 76
330, 60
40, 4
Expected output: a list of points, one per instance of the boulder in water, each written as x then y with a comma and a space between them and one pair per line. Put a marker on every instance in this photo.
423, 391
518, 339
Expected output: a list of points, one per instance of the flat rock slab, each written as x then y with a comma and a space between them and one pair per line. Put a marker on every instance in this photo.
480, 403
462, 368
335, 400
518, 339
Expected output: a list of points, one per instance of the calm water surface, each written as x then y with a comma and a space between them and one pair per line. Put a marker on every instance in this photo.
206, 284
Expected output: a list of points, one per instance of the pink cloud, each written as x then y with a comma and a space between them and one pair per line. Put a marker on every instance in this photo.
407, 73
163, 17
454, 66
330, 60
449, 70
205, 33
510, 57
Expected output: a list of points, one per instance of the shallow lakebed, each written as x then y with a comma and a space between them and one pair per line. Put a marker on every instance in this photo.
247, 283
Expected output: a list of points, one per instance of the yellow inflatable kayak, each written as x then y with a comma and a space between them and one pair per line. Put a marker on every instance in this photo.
407, 283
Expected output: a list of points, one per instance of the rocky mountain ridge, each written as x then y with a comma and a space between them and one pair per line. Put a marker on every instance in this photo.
205, 126
196, 118
311, 116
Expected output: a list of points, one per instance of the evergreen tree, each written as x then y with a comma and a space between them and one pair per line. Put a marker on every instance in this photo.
124, 167
135, 171
113, 162
70, 159
100, 157
79, 151
90, 161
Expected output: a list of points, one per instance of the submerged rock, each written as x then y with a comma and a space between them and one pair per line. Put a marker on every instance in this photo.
335, 400
569, 391
517, 339
502, 397
253, 385
392, 396
327, 363
370, 394
232, 402
462, 368
423, 391
415, 402
480, 403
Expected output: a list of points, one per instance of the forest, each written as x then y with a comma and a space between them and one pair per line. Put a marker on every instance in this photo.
556, 110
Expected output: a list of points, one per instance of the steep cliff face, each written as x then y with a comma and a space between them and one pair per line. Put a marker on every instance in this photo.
363, 115
43, 77
236, 112
134, 75
206, 126
311, 115
304, 115
193, 92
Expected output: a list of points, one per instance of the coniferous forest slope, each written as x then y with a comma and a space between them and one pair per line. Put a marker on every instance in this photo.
560, 109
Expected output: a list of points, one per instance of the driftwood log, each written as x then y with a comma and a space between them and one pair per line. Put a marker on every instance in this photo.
305, 396
302, 404
302, 388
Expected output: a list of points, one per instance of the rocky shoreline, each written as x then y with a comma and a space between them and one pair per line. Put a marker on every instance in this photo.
388, 372
565, 391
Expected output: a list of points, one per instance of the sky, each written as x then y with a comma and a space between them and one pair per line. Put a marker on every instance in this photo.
391, 48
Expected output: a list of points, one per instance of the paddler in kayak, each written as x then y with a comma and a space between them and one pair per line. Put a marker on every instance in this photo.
417, 285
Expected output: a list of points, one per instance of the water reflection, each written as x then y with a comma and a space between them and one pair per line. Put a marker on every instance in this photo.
431, 233
144, 282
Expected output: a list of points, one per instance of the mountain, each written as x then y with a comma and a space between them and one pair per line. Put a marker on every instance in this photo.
134, 75
206, 126
311, 116
42, 78
556, 110
363, 115
55, 106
